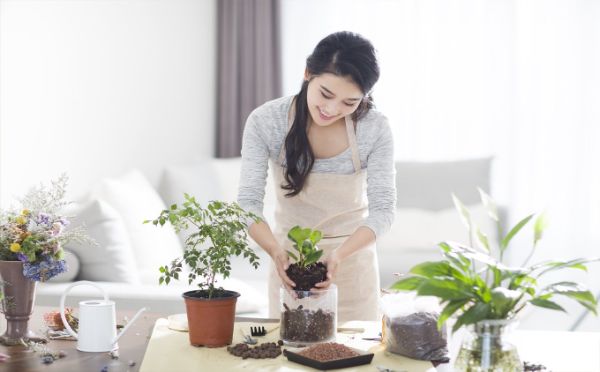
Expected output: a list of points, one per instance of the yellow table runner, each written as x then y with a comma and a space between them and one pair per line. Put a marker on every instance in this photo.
170, 350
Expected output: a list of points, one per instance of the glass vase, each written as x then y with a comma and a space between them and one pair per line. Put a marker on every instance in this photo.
308, 317
485, 349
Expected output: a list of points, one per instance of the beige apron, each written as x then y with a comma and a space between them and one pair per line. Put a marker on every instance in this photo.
336, 204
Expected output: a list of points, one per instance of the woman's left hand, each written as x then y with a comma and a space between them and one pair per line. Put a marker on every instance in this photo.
332, 261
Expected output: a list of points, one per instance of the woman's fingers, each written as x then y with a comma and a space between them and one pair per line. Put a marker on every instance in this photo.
286, 280
323, 285
282, 263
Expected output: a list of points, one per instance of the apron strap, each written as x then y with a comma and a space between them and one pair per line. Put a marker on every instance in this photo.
353, 145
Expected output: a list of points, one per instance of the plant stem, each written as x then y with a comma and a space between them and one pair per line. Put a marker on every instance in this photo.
530, 255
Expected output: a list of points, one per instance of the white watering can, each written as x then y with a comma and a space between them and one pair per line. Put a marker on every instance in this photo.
97, 322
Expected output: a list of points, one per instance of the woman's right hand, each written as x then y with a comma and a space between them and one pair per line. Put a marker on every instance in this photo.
282, 262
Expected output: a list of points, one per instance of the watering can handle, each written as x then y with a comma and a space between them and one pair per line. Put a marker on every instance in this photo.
64, 296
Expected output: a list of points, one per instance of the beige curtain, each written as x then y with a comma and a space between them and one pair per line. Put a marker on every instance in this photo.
249, 71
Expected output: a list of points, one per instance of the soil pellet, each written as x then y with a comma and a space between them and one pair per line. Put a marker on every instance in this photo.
307, 325
262, 351
328, 351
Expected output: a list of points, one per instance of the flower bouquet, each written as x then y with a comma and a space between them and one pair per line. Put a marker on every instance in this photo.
32, 238
36, 233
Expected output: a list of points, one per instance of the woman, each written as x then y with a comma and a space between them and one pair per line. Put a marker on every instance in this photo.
332, 161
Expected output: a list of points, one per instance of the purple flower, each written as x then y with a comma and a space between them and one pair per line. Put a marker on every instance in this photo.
44, 269
21, 257
63, 221
43, 219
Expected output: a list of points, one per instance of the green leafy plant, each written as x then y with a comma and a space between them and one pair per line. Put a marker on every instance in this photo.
305, 243
474, 283
219, 232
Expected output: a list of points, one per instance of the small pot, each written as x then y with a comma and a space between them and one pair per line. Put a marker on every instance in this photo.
210, 321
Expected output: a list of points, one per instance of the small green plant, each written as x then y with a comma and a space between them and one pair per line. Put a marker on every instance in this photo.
305, 244
219, 233
476, 285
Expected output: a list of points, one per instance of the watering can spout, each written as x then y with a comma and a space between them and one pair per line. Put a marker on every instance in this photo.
114, 341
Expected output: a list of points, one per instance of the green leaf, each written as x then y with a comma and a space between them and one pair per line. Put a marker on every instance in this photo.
451, 308
307, 247
585, 298
559, 265
497, 278
463, 211
562, 284
316, 236
444, 289
295, 234
540, 302
313, 257
489, 205
306, 234
410, 283
541, 223
483, 239
474, 314
504, 300
431, 269
514, 231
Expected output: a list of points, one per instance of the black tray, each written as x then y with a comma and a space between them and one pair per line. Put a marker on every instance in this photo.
363, 358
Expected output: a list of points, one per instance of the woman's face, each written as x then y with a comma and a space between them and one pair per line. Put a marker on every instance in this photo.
331, 97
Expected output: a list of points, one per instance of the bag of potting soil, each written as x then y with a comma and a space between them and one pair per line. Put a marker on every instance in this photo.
410, 327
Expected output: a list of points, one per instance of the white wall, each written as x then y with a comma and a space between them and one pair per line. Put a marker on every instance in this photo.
94, 88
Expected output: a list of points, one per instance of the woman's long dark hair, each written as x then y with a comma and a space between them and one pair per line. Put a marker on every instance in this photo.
344, 54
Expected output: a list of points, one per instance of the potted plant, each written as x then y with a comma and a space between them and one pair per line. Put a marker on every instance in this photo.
486, 295
32, 238
306, 271
308, 315
219, 232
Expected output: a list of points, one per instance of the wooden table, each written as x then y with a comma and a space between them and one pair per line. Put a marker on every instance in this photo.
132, 347
562, 350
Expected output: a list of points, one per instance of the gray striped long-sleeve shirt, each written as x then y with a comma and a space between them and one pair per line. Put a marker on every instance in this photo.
265, 132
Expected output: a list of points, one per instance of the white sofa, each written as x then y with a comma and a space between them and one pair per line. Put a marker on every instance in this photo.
129, 253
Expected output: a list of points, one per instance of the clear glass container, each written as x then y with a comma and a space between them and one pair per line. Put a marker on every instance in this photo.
485, 349
308, 317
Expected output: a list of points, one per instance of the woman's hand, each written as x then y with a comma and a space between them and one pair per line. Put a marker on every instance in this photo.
332, 261
282, 262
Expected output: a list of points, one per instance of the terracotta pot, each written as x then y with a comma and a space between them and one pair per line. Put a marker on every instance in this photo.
17, 304
210, 321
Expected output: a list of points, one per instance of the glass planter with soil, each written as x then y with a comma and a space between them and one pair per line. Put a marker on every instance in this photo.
308, 317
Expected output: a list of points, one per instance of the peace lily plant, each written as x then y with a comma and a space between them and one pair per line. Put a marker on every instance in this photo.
475, 284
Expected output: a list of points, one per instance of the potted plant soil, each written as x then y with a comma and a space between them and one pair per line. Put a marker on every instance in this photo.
219, 232
307, 315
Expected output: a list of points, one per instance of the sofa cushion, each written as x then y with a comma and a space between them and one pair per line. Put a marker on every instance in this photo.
136, 201
415, 235
210, 179
112, 258
164, 299
428, 185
